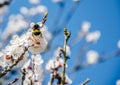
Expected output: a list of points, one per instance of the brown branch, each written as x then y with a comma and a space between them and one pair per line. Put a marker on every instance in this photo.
7, 69
12, 82
44, 19
23, 76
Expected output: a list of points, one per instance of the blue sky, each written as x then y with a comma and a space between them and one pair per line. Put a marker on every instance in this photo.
104, 15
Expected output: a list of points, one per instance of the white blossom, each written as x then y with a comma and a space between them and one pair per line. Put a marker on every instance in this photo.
16, 40
118, 82
57, 61
6, 59
25, 66
15, 24
54, 63
67, 79
22, 62
34, 1
24, 10
37, 59
39, 76
58, 52
32, 25
14, 50
46, 33
2, 62
85, 26
35, 74
1, 54
32, 11
68, 51
84, 29
93, 36
50, 65
40, 9
28, 77
39, 44
92, 57
118, 44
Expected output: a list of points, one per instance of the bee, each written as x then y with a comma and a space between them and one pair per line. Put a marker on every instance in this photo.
36, 30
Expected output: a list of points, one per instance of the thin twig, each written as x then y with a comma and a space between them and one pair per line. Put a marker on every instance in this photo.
12, 82
85, 82
51, 80
23, 76
7, 69
67, 36
44, 19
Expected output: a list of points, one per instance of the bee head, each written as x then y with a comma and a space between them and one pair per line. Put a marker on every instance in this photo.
36, 30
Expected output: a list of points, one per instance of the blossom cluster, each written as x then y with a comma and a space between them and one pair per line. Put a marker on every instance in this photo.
35, 40
90, 37
20, 21
33, 73
15, 24
40, 9
15, 52
54, 66
92, 56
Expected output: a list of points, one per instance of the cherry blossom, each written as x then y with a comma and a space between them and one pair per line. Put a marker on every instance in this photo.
93, 36
118, 82
40, 9
15, 24
92, 57
118, 44
34, 1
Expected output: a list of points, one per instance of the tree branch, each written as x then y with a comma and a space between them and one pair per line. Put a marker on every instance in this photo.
6, 70
44, 19
85, 82
67, 36
51, 80
12, 82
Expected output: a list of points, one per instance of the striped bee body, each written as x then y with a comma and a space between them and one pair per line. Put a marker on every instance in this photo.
36, 30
